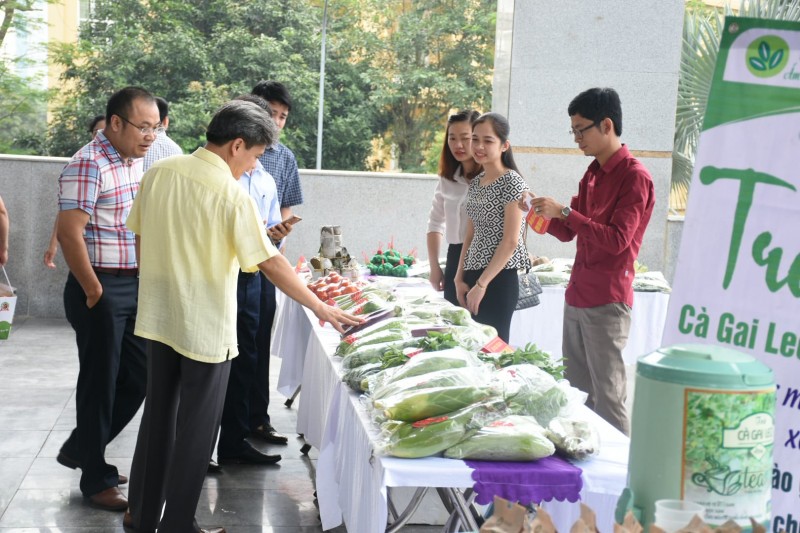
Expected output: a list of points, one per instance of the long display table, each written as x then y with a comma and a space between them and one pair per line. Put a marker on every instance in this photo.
543, 324
353, 480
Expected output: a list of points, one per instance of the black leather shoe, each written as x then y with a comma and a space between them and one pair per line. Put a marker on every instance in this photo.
250, 456
71, 462
213, 467
267, 433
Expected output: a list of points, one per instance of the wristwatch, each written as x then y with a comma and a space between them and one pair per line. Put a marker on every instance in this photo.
565, 211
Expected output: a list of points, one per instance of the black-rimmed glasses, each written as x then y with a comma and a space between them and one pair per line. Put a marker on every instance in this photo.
578, 134
145, 131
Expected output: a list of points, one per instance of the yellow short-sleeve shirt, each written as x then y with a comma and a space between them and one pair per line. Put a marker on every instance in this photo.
197, 226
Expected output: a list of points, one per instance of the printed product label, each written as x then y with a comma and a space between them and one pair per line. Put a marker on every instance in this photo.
727, 457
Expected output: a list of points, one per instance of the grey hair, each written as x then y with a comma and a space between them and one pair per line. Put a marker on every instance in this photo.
238, 119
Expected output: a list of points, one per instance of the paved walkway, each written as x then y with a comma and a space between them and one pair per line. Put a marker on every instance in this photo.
38, 371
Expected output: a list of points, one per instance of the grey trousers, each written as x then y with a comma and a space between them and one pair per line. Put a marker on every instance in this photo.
182, 412
592, 344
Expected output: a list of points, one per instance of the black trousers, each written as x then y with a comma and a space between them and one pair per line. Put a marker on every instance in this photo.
453, 255
499, 302
113, 374
176, 437
243, 377
259, 394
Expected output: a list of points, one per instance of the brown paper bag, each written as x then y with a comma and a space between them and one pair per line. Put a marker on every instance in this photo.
542, 522
507, 518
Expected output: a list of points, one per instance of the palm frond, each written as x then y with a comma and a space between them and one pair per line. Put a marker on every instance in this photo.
701, 36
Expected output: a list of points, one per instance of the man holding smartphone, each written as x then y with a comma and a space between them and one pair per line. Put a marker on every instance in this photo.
279, 161
243, 381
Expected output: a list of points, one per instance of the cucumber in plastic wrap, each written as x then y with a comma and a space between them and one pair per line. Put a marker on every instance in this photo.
513, 438
433, 435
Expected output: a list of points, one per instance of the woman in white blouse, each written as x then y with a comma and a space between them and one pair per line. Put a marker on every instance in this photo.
448, 216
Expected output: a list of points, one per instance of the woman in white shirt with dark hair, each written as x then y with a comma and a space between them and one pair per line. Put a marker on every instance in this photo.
448, 216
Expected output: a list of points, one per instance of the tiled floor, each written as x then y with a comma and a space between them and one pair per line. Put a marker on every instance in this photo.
38, 369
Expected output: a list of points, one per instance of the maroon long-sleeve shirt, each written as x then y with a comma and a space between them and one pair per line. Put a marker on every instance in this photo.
609, 216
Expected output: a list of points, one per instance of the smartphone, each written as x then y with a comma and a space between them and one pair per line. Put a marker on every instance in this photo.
292, 220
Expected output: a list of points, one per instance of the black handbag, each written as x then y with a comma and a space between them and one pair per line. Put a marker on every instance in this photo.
529, 290
529, 286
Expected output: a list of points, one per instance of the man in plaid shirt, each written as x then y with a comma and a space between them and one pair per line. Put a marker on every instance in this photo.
96, 191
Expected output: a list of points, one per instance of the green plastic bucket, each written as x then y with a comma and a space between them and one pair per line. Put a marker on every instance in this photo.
702, 430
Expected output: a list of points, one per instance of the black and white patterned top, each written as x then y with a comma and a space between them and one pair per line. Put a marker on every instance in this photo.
486, 208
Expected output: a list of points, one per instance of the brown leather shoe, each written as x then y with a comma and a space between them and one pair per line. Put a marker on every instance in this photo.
110, 499
127, 524
70, 462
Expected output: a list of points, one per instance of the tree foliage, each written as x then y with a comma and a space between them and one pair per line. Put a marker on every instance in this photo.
393, 69
22, 105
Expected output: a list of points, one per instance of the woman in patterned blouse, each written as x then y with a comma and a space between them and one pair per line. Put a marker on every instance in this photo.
486, 280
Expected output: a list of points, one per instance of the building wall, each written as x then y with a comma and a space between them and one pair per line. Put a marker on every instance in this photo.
559, 49
371, 208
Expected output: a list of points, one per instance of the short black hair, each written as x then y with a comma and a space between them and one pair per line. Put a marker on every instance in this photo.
273, 91
260, 102
94, 121
163, 108
597, 104
120, 102
238, 119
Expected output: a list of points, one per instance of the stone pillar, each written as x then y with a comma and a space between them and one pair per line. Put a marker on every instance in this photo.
547, 52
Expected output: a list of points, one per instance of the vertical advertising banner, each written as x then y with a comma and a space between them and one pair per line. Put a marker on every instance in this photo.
737, 281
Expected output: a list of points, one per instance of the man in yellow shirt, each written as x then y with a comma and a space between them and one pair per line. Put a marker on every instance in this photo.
195, 228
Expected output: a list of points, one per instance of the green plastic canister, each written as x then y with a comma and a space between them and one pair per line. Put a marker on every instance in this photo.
702, 430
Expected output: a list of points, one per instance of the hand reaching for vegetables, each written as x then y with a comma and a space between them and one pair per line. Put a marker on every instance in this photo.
436, 277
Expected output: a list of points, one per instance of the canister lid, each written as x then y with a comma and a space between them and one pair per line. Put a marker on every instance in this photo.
705, 365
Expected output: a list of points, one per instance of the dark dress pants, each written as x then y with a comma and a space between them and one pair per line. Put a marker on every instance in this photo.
453, 255
499, 301
176, 437
112, 376
259, 395
243, 378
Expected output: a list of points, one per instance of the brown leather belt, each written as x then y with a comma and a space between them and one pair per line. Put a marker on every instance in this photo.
130, 272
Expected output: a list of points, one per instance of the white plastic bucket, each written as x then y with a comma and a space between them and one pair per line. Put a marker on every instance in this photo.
673, 515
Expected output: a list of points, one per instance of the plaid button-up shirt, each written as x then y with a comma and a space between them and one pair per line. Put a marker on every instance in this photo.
98, 181
279, 161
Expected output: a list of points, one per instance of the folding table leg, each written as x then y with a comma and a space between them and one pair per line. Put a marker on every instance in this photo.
409, 511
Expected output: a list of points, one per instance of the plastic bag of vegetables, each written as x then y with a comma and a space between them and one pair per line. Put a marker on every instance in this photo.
372, 353
433, 394
577, 439
433, 435
529, 390
358, 375
513, 438
373, 335
424, 363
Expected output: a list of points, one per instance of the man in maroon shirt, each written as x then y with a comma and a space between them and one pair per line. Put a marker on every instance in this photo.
609, 216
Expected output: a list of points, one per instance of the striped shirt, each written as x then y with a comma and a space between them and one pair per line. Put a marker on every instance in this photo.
279, 161
162, 147
98, 181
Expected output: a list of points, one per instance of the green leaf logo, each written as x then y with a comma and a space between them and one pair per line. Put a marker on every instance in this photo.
767, 56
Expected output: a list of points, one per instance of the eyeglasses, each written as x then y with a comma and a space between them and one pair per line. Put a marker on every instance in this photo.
145, 131
578, 134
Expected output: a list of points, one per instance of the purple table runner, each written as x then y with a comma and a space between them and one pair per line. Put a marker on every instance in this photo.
534, 482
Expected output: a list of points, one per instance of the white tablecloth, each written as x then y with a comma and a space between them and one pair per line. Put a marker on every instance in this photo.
352, 479
543, 324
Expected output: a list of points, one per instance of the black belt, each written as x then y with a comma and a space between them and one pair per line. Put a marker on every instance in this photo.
130, 272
